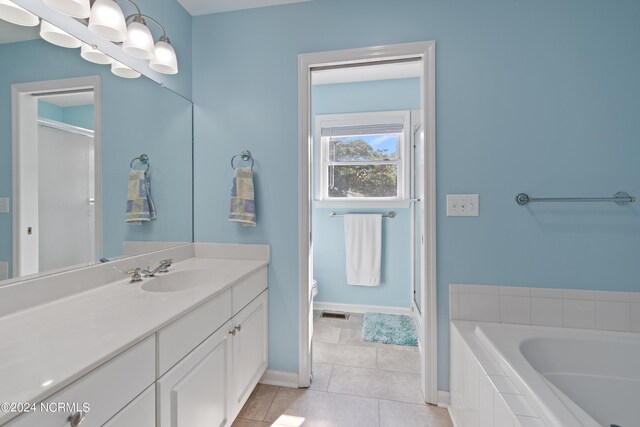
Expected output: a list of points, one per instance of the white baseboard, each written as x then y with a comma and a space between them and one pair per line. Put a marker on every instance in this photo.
356, 308
443, 399
280, 378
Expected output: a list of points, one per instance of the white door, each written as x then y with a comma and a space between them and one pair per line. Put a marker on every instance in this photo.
196, 392
66, 226
250, 348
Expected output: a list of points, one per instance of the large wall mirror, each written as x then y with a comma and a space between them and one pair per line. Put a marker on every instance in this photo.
93, 166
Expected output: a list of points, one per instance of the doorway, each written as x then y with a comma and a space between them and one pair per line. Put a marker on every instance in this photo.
56, 175
420, 292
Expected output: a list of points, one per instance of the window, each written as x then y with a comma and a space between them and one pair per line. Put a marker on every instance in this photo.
362, 158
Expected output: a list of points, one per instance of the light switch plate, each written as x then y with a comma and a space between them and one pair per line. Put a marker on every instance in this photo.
463, 204
4, 205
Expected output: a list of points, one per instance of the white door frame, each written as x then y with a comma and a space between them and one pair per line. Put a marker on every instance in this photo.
306, 62
24, 119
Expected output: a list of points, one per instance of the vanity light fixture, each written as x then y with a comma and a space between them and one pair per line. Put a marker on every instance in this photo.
75, 8
121, 70
139, 42
92, 54
164, 60
11, 12
107, 21
55, 35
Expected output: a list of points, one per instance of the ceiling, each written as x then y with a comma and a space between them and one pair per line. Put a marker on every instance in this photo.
10, 33
202, 7
69, 99
400, 70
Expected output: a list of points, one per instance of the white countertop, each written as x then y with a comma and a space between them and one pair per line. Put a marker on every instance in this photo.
45, 348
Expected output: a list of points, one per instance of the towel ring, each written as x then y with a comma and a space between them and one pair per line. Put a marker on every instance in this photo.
245, 155
143, 159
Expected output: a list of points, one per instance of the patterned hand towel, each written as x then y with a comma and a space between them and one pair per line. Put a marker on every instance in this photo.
140, 207
243, 207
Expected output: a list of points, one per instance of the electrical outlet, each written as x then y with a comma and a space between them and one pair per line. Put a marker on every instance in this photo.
463, 205
4, 205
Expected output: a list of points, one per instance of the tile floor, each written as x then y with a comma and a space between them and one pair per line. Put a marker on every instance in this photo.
355, 384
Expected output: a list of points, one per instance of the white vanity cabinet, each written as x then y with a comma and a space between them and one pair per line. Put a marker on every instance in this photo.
250, 348
210, 384
107, 390
196, 371
139, 413
196, 392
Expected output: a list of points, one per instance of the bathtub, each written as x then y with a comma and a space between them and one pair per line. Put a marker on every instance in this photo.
571, 377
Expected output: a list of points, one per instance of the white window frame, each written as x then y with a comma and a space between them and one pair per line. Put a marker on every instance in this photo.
322, 198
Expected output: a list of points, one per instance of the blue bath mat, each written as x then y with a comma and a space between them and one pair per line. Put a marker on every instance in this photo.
389, 329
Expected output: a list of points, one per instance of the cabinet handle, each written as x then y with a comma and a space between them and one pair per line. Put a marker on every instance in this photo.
233, 332
76, 419
239, 328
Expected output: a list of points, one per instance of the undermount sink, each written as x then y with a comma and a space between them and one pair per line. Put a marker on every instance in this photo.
178, 281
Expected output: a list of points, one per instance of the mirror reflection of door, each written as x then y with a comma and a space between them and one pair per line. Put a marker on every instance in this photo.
59, 228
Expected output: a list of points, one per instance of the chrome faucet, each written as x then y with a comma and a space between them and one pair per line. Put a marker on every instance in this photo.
162, 268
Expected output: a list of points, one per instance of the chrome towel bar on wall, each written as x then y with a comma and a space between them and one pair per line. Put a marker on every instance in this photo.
620, 198
390, 214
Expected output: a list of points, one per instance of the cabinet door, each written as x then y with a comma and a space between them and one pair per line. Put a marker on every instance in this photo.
250, 348
196, 392
140, 413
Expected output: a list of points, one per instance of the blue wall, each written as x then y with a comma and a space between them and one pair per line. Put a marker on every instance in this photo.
535, 96
328, 243
138, 116
81, 115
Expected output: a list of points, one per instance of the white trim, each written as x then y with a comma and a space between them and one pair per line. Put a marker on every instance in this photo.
279, 378
361, 204
358, 308
429, 294
452, 415
25, 127
425, 51
443, 399
65, 127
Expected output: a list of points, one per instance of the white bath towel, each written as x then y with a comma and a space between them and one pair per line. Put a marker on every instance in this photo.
363, 243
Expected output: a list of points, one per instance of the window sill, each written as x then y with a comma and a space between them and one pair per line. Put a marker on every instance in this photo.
362, 204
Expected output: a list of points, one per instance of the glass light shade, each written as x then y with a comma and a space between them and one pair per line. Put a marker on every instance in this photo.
75, 8
107, 21
139, 42
92, 54
55, 35
121, 70
11, 12
164, 60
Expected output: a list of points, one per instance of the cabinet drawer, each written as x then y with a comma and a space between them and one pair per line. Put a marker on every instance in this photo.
139, 413
179, 338
107, 389
246, 290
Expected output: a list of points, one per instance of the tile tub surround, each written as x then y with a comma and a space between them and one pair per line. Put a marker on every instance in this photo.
109, 317
355, 383
568, 308
481, 392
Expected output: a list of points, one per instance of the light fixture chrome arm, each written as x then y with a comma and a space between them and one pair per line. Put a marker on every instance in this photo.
163, 37
134, 5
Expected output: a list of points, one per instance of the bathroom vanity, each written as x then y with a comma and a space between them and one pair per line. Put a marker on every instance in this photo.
185, 348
